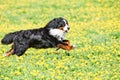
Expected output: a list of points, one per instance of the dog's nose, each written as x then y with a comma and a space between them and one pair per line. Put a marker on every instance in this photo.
68, 28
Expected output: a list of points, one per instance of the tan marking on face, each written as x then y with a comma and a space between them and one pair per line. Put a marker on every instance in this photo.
61, 28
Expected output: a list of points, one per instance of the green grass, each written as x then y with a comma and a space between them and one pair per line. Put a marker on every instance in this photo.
95, 30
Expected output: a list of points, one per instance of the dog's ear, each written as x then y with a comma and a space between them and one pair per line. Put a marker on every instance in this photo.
61, 24
52, 24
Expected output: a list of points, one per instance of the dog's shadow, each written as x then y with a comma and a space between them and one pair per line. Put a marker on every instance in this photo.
66, 53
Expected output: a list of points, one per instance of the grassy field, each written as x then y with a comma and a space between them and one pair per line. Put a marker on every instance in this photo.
95, 30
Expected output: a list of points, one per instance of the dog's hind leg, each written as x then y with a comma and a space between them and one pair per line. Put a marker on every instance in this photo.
20, 48
8, 53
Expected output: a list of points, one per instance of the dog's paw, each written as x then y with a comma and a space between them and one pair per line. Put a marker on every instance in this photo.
4, 55
7, 54
73, 46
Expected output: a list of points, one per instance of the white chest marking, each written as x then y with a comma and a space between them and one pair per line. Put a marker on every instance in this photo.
57, 33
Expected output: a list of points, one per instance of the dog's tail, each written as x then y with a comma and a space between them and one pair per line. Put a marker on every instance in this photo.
8, 39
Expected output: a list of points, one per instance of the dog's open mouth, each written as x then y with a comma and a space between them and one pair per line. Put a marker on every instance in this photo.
66, 31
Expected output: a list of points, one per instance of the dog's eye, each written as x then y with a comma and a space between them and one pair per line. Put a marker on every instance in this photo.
61, 28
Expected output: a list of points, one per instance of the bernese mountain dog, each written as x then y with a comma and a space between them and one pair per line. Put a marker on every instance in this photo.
50, 36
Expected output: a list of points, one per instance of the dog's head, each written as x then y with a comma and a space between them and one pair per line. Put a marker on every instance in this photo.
58, 23
58, 27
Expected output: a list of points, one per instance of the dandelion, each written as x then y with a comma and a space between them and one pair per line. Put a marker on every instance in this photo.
20, 58
17, 72
46, 65
6, 78
34, 72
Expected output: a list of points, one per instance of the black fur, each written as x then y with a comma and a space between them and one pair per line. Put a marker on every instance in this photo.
9, 38
36, 38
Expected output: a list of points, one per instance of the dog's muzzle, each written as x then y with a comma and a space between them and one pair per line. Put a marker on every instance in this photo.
67, 29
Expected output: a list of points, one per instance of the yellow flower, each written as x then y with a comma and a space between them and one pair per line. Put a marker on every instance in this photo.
20, 58
59, 65
96, 78
34, 72
17, 72
6, 78
46, 65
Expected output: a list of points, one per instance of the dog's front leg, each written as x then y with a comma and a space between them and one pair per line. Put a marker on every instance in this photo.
65, 45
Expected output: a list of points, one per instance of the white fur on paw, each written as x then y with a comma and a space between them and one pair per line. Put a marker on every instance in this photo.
73, 46
4, 55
